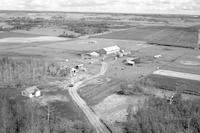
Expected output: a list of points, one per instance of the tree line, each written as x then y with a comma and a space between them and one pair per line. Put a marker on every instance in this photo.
15, 73
159, 116
28, 117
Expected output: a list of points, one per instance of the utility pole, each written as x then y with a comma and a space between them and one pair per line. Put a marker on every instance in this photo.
48, 113
50, 109
198, 40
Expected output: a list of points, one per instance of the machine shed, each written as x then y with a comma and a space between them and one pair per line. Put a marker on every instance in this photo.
110, 50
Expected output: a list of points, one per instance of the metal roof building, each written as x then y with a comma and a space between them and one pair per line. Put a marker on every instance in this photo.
110, 50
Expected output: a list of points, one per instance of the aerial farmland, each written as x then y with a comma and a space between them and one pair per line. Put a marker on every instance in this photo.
100, 74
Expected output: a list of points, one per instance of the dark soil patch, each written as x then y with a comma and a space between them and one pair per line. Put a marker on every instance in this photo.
93, 94
160, 35
173, 84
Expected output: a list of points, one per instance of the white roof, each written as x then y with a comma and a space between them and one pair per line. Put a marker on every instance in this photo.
131, 62
30, 90
94, 54
112, 48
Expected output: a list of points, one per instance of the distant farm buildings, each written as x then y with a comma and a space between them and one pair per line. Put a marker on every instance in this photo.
110, 50
103, 53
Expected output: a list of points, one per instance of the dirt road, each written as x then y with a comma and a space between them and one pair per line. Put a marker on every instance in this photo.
32, 39
92, 117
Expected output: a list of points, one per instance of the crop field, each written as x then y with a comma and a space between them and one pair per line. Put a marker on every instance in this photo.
177, 66
95, 93
173, 84
169, 36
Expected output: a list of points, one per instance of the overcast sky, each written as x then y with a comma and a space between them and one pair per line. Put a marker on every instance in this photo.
124, 6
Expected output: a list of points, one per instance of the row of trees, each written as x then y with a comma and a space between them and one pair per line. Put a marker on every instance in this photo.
22, 72
28, 117
78, 26
25, 23
159, 116
15, 72
128, 89
87, 27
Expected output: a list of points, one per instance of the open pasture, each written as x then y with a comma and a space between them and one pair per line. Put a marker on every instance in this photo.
16, 34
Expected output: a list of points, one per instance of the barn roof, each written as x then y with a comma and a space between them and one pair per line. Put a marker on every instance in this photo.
115, 47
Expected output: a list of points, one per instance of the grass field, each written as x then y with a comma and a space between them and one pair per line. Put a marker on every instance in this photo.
169, 36
16, 34
173, 84
61, 102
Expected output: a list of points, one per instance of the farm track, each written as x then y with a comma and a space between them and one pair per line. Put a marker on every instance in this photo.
92, 117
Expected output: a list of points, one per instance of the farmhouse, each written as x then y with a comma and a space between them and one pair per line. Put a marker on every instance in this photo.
110, 50
31, 92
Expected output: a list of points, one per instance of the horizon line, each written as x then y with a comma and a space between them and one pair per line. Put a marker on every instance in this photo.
88, 12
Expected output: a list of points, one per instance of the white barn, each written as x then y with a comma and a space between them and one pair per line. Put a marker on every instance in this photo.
110, 50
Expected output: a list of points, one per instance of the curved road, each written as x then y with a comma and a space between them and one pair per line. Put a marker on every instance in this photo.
92, 117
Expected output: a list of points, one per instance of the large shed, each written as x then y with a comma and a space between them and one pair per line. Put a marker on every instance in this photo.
110, 50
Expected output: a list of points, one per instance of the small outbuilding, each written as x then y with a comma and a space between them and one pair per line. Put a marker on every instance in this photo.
110, 50
80, 66
93, 54
31, 92
132, 61
120, 55
71, 71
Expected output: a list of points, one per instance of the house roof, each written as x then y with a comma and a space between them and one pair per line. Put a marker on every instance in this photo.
112, 48
94, 54
31, 90
131, 62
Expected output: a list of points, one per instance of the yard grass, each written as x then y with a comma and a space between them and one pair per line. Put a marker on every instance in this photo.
65, 109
